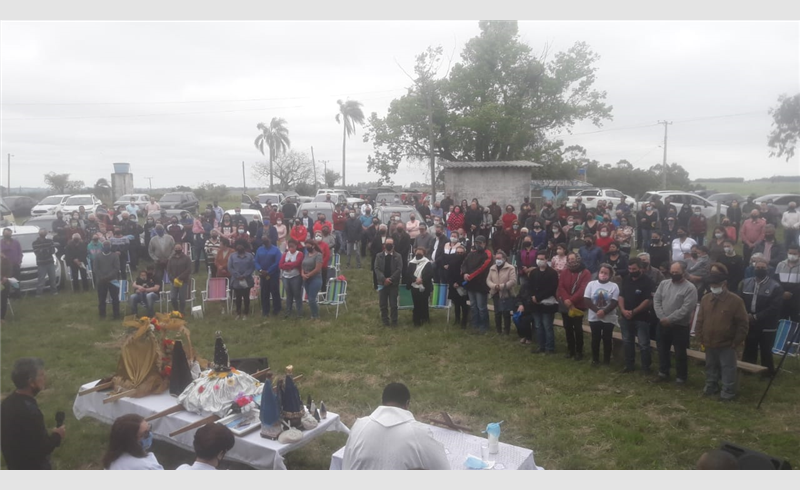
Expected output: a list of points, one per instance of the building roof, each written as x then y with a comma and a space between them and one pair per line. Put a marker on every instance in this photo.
549, 184
517, 164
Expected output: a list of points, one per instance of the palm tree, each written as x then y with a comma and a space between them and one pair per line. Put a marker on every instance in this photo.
350, 112
276, 138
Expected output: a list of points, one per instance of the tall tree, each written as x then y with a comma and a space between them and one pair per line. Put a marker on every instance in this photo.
274, 136
61, 184
499, 103
349, 115
330, 178
102, 189
786, 127
290, 169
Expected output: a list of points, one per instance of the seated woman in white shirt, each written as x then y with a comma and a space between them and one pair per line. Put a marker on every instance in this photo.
211, 442
128, 448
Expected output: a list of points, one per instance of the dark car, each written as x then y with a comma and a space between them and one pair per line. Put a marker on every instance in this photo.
726, 198
20, 205
46, 221
180, 200
170, 213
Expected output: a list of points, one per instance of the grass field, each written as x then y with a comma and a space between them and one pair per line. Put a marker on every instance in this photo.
572, 416
759, 188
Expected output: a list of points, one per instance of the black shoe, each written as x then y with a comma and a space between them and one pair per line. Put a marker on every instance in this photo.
579, 357
568, 356
661, 378
627, 370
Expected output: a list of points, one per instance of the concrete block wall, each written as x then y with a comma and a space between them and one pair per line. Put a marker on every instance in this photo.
506, 185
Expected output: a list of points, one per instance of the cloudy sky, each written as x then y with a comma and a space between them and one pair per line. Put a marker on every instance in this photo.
180, 101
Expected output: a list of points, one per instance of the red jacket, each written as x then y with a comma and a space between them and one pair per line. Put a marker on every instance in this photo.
319, 224
326, 253
567, 280
299, 233
338, 221
698, 225
508, 220
287, 266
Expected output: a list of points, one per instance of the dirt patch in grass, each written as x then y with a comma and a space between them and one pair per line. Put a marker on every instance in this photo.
472, 394
78, 326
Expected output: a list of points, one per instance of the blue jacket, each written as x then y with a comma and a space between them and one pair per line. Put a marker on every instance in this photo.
268, 259
591, 258
539, 239
241, 268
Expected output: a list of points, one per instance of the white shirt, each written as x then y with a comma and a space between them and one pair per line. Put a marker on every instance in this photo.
602, 295
391, 439
196, 466
128, 462
435, 247
678, 248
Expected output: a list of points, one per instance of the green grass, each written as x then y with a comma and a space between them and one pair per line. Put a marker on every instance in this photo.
758, 188
571, 415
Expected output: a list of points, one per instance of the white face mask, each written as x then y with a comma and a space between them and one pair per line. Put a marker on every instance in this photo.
716, 290
541, 263
352, 215
453, 239
728, 250
603, 234
793, 257
555, 230
718, 235
499, 262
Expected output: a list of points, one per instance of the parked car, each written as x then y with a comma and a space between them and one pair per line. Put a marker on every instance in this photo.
271, 198
708, 208
390, 197
781, 201
45, 221
726, 198
6, 215
180, 200
50, 204
140, 200
20, 205
384, 213
88, 201
592, 195
315, 208
29, 272
249, 214
169, 213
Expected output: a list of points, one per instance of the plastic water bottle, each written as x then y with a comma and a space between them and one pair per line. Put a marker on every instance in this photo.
493, 432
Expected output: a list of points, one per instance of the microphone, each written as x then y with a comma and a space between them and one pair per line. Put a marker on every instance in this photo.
60, 418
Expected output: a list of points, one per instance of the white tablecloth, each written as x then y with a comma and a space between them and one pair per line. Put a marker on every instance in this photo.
458, 445
252, 449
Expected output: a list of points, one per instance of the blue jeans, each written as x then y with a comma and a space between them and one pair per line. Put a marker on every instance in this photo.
313, 286
293, 286
644, 238
177, 297
544, 331
46, 271
630, 330
480, 310
147, 299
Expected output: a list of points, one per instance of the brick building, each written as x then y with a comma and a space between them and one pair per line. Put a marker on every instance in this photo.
506, 182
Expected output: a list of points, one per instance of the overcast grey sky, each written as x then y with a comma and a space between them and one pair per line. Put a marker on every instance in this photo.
180, 100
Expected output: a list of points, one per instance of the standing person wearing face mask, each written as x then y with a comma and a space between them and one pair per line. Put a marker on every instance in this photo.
751, 232
376, 247
44, 248
682, 246
763, 299
601, 297
106, 274
160, 249
149, 232
624, 235
402, 245
179, 270
501, 281
509, 217
412, 226
325, 250
791, 225
717, 244
367, 229
604, 238
526, 259
283, 234
321, 221
647, 222
635, 300
543, 283
722, 325
26, 443
420, 283
307, 221
788, 274
437, 252
388, 273
591, 255
339, 222
733, 264
660, 250
572, 284
618, 261
474, 271
353, 230
425, 240
772, 250
129, 445
299, 232
241, 266
76, 258
538, 237
675, 301
698, 226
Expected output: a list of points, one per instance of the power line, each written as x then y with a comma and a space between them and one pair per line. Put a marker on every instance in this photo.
147, 115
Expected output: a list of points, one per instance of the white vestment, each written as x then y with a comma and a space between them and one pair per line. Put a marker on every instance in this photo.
391, 439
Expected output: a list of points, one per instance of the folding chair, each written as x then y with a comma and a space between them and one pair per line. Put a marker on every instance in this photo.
404, 301
217, 290
787, 331
336, 264
439, 299
336, 295
123, 296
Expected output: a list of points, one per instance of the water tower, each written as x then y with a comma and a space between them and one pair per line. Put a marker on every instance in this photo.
121, 181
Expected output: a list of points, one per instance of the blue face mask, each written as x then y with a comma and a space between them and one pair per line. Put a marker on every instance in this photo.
160, 232
147, 441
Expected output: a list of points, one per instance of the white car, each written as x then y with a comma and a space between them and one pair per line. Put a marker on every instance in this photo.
249, 214
29, 272
50, 205
88, 201
678, 198
592, 195
140, 200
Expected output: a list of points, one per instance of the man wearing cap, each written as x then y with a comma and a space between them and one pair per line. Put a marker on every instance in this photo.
722, 325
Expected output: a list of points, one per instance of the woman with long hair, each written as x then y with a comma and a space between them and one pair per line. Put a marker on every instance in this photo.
129, 444
455, 220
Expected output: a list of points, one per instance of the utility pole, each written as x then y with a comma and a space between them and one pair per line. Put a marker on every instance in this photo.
8, 179
664, 164
150, 180
244, 184
314, 166
430, 146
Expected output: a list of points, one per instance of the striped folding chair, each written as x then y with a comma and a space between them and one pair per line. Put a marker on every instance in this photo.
336, 264
439, 299
784, 339
216, 291
281, 291
336, 295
